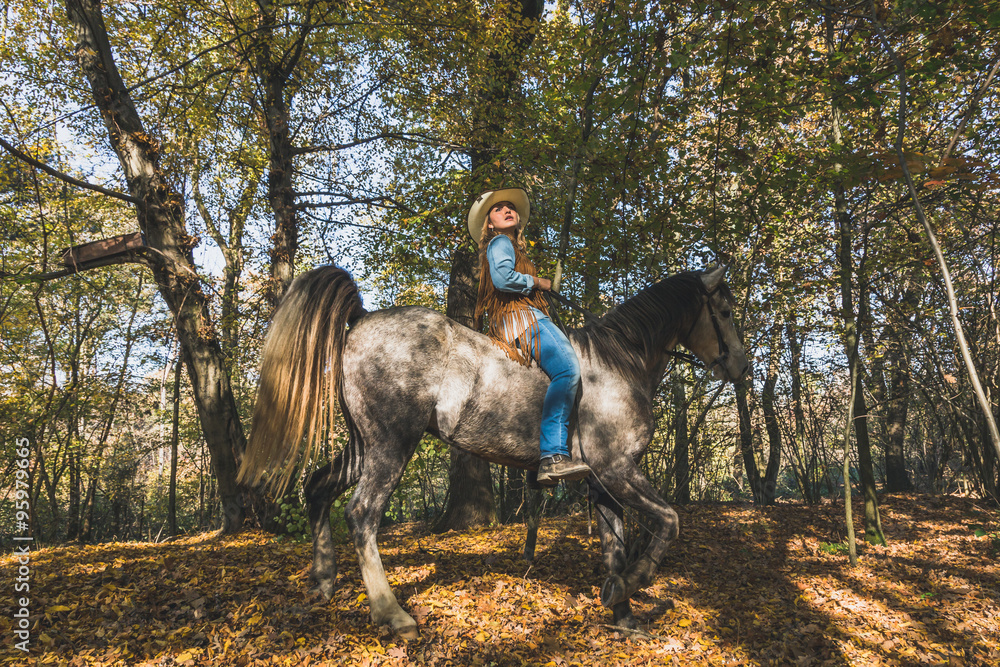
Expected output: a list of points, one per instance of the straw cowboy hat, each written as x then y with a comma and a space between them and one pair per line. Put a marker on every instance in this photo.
484, 202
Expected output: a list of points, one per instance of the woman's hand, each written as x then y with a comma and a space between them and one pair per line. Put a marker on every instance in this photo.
543, 284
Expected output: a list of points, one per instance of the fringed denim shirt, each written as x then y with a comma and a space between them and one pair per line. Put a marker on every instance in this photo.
500, 254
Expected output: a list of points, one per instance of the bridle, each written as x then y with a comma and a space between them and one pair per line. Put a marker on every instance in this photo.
723, 346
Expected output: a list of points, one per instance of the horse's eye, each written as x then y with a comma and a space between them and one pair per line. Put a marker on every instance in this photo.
726, 314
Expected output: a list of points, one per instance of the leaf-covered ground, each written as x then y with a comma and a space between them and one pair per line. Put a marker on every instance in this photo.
740, 586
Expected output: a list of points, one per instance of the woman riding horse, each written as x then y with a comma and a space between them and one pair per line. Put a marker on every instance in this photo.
510, 293
402, 372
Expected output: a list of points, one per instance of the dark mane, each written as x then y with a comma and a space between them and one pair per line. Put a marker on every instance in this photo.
628, 338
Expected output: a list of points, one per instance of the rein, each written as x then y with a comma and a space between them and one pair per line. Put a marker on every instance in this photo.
588, 316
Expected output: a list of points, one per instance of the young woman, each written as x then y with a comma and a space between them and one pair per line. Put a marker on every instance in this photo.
510, 293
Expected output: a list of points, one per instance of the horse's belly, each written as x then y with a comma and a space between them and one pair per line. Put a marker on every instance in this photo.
488, 405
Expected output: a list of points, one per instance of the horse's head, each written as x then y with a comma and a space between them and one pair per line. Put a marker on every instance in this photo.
713, 337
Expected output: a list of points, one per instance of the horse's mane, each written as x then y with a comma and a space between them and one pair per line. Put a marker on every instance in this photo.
629, 337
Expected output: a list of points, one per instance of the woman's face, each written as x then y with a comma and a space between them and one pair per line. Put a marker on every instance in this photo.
503, 217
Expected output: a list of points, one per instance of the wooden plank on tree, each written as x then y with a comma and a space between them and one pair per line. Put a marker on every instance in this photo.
79, 256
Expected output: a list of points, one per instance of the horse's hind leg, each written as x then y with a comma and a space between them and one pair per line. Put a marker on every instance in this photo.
611, 528
382, 471
323, 487
627, 485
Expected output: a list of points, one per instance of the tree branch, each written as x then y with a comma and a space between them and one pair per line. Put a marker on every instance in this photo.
413, 137
131, 257
65, 177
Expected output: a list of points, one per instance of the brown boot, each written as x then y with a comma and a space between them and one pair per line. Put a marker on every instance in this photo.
556, 468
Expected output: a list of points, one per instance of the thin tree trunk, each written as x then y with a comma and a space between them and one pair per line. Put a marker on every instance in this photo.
746, 442
845, 224
682, 462
809, 491
769, 484
174, 441
970, 366
897, 479
852, 545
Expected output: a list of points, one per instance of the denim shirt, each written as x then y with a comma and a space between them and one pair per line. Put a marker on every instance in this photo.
500, 255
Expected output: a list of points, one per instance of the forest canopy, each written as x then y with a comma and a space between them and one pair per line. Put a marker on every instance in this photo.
809, 146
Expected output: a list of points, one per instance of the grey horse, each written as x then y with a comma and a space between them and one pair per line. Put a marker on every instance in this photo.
401, 372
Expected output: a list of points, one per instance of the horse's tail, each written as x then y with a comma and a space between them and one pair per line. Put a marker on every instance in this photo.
300, 375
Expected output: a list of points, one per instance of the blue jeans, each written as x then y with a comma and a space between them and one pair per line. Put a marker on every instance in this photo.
557, 358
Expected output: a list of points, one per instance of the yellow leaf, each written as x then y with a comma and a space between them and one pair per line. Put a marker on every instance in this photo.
58, 607
361, 598
684, 622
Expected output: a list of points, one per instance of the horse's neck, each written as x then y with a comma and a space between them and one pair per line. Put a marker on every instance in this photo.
658, 368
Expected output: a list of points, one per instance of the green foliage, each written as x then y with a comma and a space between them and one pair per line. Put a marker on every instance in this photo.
294, 520
993, 537
834, 548
655, 137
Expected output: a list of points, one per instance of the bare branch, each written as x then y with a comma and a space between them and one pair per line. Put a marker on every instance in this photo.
65, 177
412, 137
131, 257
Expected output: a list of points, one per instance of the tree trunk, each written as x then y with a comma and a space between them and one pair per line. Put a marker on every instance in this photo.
845, 224
769, 484
273, 73
746, 442
469, 506
764, 488
682, 463
806, 474
160, 213
873, 522
897, 479
174, 442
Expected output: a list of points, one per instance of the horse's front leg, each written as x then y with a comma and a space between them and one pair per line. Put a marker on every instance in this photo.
611, 528
630, 487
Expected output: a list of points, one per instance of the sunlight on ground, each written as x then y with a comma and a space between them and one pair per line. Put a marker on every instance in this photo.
740, 586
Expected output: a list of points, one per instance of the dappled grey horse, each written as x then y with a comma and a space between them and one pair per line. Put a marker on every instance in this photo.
401, 372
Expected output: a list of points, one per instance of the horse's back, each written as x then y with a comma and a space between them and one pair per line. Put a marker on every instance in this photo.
415, 366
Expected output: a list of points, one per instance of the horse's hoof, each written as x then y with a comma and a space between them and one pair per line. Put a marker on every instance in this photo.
408, 633
613, 591
627, 622
324, 588
399, 623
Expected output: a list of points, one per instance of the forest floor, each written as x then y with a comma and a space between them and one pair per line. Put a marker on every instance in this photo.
740, 586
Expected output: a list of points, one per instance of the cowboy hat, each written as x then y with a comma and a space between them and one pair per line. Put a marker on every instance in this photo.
484, 202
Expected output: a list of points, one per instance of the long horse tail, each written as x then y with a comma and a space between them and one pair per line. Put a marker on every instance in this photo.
300, 375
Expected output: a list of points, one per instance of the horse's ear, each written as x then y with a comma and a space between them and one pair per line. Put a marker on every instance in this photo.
712, 277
